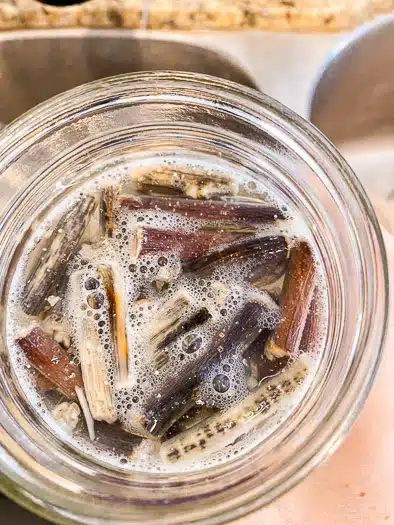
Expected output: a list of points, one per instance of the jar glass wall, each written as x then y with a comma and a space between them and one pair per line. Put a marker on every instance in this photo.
54, 148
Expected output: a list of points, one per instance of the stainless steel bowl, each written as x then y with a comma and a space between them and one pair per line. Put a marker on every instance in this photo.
36, 65
353, 95
352, 102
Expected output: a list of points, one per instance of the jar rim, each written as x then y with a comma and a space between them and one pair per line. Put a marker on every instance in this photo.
122, 90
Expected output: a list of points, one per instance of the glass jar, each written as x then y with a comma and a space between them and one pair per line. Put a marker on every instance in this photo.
51, 149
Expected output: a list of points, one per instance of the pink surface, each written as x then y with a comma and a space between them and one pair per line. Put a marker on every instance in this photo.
355, 485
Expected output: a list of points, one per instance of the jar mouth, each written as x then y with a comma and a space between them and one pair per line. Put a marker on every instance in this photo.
253, 130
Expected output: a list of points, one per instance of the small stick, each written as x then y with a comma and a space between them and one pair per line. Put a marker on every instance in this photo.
52, 361
86, 412
92, 357
117, 318
49, 270
188, 245
269, 255
195, 185
227, 210
294, 303
108, 206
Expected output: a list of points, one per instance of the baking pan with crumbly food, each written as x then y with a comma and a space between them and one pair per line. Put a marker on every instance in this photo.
273, 15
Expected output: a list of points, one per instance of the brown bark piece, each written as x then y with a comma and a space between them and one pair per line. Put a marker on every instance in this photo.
227, 210
189, 245
52, 361
295, 301
269, 256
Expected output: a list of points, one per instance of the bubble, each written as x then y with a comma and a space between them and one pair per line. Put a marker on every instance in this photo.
133, 268
162, 261
96, 300
191, 343
221, 383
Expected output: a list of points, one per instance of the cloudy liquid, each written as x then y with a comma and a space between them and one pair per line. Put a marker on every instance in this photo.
150, 283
